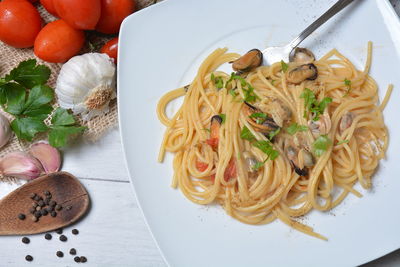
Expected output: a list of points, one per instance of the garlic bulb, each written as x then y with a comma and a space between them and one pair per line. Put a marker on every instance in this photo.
5, 131
20, 165
86, 85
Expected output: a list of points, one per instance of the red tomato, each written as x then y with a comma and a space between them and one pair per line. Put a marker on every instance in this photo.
230, 171
57, 42
80, 14
113, 13
20, 23
49, 6
201, 166
111, 49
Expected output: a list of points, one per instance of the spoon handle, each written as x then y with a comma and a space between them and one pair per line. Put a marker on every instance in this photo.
339, 5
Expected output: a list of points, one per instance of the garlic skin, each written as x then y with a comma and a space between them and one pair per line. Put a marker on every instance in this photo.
20, 165
86, 85
5, 131
47, 155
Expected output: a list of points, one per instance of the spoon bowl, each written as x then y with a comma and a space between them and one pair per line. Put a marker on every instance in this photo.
65, 189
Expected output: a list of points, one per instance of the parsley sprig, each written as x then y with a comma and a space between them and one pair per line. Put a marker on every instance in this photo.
25, 95
264, 145
248, 90
218, 81
348, 85
321, 145
284, 66
312, 105
294, 128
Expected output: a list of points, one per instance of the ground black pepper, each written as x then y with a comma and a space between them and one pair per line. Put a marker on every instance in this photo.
48, 236
26, 240
28, 258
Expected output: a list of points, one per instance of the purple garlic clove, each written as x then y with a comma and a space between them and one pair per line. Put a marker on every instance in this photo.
47, 155
20, 165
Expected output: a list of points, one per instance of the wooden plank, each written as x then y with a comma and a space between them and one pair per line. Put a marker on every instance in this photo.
112, 234
103, 159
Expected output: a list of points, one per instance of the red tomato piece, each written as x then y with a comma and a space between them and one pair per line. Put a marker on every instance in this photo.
57, 42
111, 49
230, 171
49, 6
20, 23
201, 166
80, 14
113, 12
213, 142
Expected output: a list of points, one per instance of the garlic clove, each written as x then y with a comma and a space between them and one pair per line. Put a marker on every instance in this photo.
20, 165
47, 155
5, 131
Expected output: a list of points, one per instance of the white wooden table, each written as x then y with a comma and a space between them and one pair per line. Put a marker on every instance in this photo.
114, 232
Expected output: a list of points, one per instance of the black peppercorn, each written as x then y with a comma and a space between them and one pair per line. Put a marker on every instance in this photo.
59, 231
46, 193
37, 214
52, 203
32, 195
75, 231
83, 259
77, 259
32, 210
72, 251
58, 207
44, 212
41, 203
48, 236
28, 258
63, 238
21, 216
26, 240
53, 213
60, 254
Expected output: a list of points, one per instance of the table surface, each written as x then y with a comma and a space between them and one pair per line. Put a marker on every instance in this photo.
114, 232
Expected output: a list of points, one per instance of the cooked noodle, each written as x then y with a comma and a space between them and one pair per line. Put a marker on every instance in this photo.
221, 173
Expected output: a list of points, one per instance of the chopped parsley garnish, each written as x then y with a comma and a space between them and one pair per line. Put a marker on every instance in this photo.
264, 145
248, 90
273, 82
233, 92
258, 165
284, 66
342, 142
207, 130
223, 117
273, 133
218, 81
260, 117
348, 84
312, 105
321, 144
294, 128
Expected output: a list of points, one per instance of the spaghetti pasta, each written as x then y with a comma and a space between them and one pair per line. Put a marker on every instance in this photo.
266, 148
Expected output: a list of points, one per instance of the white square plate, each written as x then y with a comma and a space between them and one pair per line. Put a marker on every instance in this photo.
161, 48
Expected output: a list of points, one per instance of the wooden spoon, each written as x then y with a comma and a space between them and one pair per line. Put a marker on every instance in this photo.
65, 189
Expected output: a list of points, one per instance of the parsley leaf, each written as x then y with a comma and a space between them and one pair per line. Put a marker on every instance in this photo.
258, 115
246, 134
273, 133
294, 128
321, 144
218, 82
223, 117
15, 98
284, 66
248, 90
258, 165
28, 74
233, 93
312, 105
62, 126
58, 135
38, 101
348, 84
342, 142
266, 147
27, 128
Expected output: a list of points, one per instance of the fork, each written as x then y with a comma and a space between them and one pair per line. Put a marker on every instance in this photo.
278, 53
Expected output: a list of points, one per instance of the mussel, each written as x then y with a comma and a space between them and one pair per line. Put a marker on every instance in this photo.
264, 124
302, 73
248, 61
250, 160
346, 121
321, 126
300, 158
280, 112
301, 56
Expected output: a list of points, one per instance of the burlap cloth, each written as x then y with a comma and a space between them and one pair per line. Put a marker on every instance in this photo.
10, 57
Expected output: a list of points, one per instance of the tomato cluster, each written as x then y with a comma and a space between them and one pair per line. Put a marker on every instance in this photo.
58, 41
